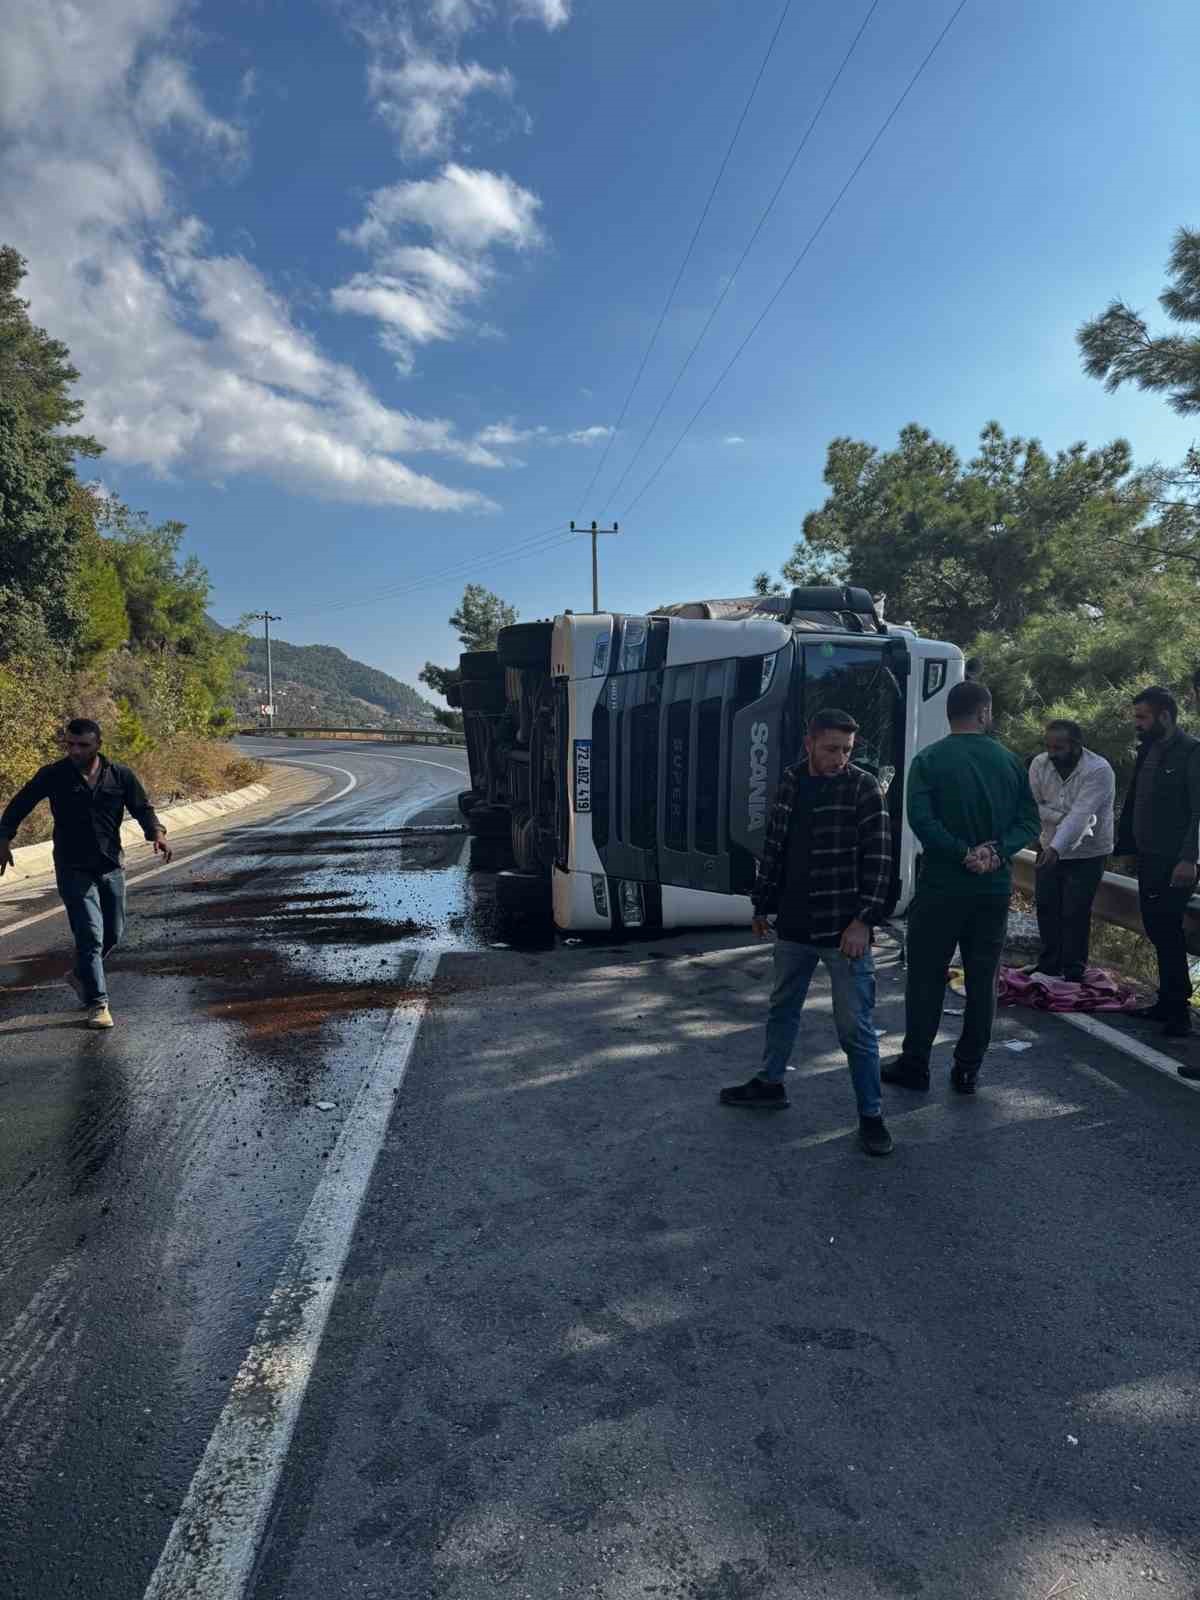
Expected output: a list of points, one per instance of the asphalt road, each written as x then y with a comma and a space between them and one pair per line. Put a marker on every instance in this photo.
595, 1334
599, 1336
152, 1180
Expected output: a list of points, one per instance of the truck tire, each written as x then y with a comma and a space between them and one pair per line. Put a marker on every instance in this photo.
489, 855
524, 903
489, 822
480, 664
525, 644
483, 694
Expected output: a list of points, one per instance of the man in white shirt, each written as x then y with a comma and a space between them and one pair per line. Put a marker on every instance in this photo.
1074, 789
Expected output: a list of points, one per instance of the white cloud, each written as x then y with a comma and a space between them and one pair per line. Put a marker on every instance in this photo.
733, 438
422, 98
418, 292
190, 360
505, 435
466, 208
551, 13
167, 95
589, 436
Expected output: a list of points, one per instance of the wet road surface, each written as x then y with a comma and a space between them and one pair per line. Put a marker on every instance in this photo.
600, 1336
596, 1335
152, 1180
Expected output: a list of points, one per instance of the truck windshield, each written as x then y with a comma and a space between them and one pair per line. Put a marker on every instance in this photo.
856, 678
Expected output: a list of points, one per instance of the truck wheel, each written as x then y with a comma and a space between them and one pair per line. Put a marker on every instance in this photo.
490, 854
477, 664
524, 902
526, 644
483, 694
489, 822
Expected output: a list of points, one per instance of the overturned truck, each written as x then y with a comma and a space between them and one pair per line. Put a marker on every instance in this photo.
622, 767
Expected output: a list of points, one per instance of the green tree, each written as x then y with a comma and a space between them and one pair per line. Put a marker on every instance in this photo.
38, 537
477, 621
765, 584
480, 616
36, 373
1118, 347
961, 550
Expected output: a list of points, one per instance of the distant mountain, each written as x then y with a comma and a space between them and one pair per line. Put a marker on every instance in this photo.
317, 683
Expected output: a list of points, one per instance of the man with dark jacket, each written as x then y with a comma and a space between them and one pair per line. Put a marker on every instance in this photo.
88, 796
1160, 825
826, 871
970, 805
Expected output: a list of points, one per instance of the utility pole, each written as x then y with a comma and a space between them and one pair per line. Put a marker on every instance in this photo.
267, 619
595, 531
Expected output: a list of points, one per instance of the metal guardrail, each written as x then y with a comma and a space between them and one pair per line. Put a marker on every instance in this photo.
1116, 900
442, 736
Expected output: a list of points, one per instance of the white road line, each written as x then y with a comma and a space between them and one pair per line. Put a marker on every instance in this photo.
212, 1547
418, 761
197, 855
1134, 1048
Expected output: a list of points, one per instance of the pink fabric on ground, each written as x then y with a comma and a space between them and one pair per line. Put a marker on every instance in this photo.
1099, 991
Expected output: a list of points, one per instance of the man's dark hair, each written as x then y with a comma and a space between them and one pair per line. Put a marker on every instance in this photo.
965, 699
830, 720
973, 667
79, 726
1064, 725
1160, 699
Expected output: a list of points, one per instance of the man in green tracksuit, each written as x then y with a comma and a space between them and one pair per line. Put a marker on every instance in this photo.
970, 805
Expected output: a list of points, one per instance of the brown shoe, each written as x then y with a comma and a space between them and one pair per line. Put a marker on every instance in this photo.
99, 1016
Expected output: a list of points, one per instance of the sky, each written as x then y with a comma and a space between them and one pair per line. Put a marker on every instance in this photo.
359, 289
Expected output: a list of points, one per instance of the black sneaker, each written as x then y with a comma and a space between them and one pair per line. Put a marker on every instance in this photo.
757, 1095
905, 1074
1154, 1013
874, 1137
1177, 1028
963, 1078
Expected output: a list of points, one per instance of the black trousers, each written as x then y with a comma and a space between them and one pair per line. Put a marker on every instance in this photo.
977, 924
1064, 896
1162, 909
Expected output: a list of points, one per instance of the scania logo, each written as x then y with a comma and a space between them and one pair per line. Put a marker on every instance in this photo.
760, 734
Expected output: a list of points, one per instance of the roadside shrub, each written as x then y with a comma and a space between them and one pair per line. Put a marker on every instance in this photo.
186, 767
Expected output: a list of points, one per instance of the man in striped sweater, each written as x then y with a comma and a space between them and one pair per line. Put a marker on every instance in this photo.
825, 875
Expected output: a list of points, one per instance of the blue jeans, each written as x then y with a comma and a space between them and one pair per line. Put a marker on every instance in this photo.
853, 1012
95, 903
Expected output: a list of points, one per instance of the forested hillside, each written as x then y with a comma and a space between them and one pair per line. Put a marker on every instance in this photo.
339, 680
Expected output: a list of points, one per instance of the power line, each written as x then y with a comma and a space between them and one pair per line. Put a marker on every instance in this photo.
548, 539
687, 256
731, 279
795, 266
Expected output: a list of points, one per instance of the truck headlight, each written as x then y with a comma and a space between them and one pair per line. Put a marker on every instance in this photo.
633, 645
600, 894
632, 902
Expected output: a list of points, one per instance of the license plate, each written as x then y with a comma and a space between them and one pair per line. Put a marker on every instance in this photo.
583, 774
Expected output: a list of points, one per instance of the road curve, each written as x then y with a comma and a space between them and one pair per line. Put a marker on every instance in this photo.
152, 1180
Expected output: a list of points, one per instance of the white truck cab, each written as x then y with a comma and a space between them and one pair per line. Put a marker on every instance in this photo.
628, 763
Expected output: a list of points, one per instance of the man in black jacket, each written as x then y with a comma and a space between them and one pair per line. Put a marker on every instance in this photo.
88, 796
1160, 825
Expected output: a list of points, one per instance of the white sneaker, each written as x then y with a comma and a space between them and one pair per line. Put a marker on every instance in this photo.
71, 977
99, 1017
